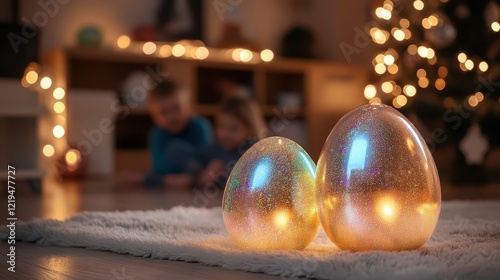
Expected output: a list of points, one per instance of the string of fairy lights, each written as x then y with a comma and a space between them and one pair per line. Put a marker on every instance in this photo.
388, 63
196, 49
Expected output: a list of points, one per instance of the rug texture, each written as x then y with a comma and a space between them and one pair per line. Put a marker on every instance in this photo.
465, 245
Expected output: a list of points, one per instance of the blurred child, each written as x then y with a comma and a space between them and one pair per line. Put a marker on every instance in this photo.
176, 136
239, 124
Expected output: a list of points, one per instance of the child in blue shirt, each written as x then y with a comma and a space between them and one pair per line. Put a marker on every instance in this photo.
176, 136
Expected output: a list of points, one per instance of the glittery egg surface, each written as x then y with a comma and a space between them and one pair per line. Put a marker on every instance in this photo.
377, 185
269, 201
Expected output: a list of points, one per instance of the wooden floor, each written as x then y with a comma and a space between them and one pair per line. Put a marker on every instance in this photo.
60, 200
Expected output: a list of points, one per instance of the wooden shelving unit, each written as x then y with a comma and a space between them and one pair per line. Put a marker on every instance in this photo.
327, 90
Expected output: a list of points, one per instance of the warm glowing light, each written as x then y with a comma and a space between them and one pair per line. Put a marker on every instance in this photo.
72, 157
48, 150
380, 58
165, 51
462, 57
375, 100
426, 23
45, 82
380, 36
479, 96
24, 83
430, 53
393, 69
495, 26
383, 13
281, 219
59, 107
370, 91
397, 90
443, 72
409, 90
399, 35
123, 41
201, 53
149, 48
418, 5
423, 51
266, 55
421, 73
412, 49
433, 20
388, 5
58, 93
423, 83
404, 23
473, 101
31, 77
483, 66
387, 87
380, 68
178, 50
236, 54
469, 65
389, 59
58, 131
401, 100
440, 84
245, 55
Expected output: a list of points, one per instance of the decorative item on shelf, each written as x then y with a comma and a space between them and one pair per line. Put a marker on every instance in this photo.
232, 37
89, 37
269, 197
298, 42
180, 19
133, 93
71, 164
377, 185
144, 33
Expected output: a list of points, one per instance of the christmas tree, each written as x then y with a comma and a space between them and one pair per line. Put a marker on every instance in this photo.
439, 60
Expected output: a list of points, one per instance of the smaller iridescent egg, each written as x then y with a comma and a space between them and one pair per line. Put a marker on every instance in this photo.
269, 198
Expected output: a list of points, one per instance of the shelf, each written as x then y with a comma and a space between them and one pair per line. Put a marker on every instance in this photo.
26, 174
7, 112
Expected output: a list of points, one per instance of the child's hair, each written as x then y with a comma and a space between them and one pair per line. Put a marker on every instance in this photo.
248, 112
166, 88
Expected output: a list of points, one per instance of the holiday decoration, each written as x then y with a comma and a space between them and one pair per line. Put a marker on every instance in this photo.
445, 47
269, 198
377, 184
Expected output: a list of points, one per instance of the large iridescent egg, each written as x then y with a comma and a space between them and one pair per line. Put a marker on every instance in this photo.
377, 185
269, 198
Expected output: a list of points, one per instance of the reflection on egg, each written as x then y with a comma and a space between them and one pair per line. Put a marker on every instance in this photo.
269, 198
377, 185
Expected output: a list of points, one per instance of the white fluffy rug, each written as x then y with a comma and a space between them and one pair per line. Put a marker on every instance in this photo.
465, 245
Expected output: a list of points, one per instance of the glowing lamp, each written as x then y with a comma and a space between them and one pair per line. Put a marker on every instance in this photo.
269, 197
377, 186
